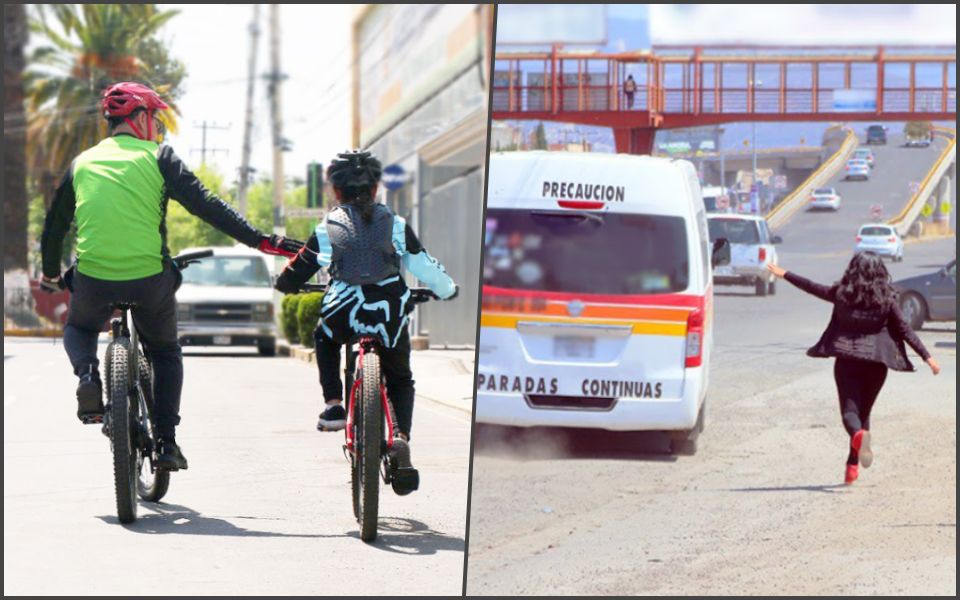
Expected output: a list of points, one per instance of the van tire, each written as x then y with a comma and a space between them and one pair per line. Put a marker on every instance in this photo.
772, 288
761, 287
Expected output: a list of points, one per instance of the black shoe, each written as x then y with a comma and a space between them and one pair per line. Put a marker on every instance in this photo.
333, 418
403, 477
169, 456
90, 397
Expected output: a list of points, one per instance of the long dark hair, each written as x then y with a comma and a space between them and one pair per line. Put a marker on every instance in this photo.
361, 197
866, 284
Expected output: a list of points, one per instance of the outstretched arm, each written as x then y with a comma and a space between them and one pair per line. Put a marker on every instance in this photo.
811, 287
184, 187
423, 266
901, 329
305, 264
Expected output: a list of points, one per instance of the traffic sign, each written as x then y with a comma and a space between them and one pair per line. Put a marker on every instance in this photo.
394, 177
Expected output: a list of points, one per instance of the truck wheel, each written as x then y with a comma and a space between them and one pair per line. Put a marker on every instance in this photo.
772, 288
684, 443
761, 287
267, 348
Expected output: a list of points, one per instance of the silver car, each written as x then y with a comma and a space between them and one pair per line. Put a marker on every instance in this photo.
880, 239
857, 168
227, 300
930, 297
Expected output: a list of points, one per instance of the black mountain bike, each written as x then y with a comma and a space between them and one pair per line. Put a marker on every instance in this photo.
128, 420
370, 422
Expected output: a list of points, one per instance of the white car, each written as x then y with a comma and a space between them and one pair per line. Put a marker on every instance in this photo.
857, 168
227, 300
824, 198
880, 239
751, 250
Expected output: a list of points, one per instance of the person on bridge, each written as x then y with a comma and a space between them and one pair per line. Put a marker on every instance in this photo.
364, 245
866, 336
629, 89
117, 191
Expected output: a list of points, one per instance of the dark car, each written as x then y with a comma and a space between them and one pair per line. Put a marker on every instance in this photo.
876, 134
931, 297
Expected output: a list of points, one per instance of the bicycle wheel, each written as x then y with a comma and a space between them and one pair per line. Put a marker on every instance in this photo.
367, 468
123, 426
152, 484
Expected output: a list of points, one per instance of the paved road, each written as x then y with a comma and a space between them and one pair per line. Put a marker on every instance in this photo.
264, 508
761, 508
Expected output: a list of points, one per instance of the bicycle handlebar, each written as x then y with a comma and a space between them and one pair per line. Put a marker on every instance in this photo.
183, 260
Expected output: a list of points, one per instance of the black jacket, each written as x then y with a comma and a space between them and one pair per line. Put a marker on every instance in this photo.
870, 335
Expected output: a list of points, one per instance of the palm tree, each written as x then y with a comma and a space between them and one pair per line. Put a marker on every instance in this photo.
14, 159
88, 47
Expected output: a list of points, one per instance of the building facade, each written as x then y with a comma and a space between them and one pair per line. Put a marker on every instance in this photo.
420, 104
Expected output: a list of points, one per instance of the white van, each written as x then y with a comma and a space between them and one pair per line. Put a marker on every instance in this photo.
597, 294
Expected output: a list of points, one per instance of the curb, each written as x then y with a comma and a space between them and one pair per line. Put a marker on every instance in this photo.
37, 333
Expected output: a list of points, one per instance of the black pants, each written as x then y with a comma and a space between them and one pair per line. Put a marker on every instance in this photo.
858, 384
394, 363
154, 316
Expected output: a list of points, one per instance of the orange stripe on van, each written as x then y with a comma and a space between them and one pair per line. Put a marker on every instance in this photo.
510, 320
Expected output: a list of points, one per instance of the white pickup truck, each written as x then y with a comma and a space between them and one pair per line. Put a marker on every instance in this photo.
751, 249
227, 300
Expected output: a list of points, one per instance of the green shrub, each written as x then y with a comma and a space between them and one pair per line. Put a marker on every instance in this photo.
308, 315
288, 317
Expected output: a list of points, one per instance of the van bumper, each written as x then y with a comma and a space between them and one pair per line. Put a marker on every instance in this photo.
626, 414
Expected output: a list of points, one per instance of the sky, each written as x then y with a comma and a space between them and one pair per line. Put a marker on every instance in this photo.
213, 42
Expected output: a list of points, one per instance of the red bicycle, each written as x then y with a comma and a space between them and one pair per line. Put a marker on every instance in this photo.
370, 422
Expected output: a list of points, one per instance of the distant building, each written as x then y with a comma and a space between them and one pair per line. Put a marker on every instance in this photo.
420, 104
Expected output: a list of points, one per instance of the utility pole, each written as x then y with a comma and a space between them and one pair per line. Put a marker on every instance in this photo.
203, 145
723, 166
279, 143
245, 170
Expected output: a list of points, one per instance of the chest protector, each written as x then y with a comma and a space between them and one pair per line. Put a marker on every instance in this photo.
363, 252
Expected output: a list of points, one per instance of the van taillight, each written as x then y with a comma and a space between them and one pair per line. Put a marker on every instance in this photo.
859, 239
762, 254
892, 239
694, 339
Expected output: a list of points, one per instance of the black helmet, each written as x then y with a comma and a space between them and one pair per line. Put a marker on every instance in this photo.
354, 169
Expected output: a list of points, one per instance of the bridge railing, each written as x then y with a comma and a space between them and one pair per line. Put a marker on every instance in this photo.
916, 82
798, 198
908, 216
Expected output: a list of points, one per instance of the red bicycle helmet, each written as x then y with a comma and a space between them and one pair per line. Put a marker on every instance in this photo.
121, 99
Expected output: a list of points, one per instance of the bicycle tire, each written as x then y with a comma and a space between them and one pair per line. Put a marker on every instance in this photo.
122, 425
354, 463
161, 479
371, 436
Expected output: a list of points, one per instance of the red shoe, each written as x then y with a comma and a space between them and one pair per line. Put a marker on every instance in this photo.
860, 442
852, 473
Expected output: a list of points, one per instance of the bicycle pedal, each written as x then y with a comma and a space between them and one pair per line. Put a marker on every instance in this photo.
91, 419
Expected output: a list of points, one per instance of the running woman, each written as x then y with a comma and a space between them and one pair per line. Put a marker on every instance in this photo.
866, 335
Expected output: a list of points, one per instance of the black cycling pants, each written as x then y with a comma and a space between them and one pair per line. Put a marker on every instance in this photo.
394, 363
858, 385
154, 316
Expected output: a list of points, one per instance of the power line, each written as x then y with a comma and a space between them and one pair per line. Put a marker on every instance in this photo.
204, 126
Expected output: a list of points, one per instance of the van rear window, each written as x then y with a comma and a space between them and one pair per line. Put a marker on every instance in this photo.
585, 252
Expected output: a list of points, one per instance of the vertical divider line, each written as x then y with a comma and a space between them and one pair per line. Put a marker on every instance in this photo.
483, 231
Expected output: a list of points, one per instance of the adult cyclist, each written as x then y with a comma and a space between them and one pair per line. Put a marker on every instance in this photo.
117, 192
365, 245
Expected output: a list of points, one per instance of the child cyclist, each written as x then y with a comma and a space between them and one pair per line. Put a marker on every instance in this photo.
364, 246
